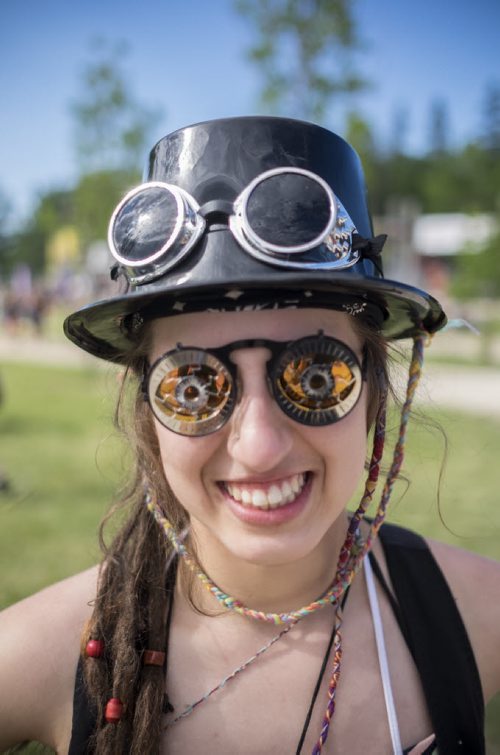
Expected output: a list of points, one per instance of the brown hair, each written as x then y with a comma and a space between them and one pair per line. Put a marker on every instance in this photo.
132, 601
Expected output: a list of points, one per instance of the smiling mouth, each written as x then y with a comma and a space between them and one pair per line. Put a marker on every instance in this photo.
271, 496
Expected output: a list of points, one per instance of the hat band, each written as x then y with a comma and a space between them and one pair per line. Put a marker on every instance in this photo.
255, 300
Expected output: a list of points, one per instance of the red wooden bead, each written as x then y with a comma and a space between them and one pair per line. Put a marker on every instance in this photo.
113, 710
94, 648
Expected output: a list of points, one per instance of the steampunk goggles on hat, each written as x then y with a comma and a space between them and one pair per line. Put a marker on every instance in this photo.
288, 217
316, 380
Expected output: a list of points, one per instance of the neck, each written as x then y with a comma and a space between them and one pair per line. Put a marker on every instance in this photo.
273, 588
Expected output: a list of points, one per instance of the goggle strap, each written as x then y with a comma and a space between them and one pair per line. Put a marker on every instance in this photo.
216, 207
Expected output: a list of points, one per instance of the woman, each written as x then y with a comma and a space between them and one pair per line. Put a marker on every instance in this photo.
237, 609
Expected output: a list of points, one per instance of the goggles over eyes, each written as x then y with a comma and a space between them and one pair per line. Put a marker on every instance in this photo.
288, 217
315, 380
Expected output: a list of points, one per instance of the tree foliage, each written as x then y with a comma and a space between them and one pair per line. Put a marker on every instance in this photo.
491, 118
304, 51
54, 209
112, 128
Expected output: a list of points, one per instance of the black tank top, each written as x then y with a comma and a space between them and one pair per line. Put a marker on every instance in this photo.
434, 632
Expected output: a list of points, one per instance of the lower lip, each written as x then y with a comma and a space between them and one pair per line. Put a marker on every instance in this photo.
269, 517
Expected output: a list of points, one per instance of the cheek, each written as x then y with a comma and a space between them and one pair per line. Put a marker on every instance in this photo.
344, 452
183, 460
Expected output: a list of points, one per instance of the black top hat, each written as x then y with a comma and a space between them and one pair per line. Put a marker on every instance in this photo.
241, 212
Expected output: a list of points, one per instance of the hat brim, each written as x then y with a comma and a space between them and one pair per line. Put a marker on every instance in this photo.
100, 328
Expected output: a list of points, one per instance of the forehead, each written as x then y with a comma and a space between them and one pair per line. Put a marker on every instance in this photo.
213, 329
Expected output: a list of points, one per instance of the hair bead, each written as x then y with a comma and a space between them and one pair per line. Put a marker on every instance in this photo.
113, 710
94, 649
153, 658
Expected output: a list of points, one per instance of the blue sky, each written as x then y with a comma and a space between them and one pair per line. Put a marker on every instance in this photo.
188, 58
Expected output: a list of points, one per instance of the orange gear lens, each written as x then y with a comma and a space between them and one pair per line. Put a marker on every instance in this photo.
193, 393
315, 380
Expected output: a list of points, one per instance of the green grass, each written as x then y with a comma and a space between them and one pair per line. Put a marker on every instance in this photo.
63, 461
59, 454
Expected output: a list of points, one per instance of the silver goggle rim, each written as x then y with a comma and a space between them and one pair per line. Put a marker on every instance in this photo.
336, 235
188, 229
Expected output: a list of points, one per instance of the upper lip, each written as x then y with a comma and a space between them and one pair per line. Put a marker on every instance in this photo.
275, 479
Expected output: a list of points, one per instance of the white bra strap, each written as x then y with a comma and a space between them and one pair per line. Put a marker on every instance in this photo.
382, 658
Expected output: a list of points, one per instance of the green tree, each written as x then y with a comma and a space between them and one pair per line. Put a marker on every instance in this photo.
6, 250
491, 118
439, 129
112, 128
399, 127
54, 210
360, 135
94, 199
304, 51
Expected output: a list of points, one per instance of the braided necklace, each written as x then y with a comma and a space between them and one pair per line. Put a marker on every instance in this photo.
332, 594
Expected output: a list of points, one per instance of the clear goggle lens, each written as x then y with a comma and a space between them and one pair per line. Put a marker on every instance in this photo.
286, 211
146, 224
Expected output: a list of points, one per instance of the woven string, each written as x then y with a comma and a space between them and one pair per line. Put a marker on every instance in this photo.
332, 686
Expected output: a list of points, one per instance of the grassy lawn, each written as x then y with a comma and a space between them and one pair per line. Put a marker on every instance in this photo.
63, 460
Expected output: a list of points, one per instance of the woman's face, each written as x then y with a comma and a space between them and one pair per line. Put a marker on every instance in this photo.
263, 487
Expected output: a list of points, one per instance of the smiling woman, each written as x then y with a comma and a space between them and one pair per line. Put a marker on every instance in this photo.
248, 604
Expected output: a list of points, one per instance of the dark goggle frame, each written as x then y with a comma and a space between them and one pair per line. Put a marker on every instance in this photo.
315, 380
157, 224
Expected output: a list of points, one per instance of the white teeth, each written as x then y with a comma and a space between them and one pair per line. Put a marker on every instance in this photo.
274, 495
278, 494
259, 499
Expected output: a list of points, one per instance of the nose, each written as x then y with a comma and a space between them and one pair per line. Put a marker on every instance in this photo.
260, 435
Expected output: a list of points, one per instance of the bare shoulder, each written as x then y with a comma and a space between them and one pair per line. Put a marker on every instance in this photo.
475, 583
39, 649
